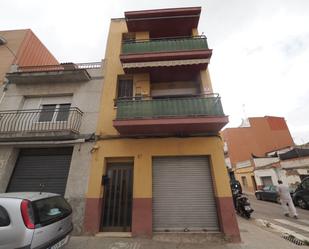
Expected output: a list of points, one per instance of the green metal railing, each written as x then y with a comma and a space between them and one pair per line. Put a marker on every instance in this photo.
173, 107
164, 45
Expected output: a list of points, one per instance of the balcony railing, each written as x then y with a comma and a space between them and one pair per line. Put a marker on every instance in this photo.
200, 106
164, 45
25, 122
60, 67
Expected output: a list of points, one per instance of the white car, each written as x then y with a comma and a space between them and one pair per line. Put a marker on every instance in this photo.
33, 220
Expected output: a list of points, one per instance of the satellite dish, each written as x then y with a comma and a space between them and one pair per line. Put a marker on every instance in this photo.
2, 41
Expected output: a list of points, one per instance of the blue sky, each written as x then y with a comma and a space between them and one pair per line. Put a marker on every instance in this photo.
260, 48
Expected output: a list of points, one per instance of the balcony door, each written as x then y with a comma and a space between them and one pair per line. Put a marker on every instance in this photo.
124, 87
47, 113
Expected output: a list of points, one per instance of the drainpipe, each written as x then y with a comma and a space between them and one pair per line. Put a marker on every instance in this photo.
4, 89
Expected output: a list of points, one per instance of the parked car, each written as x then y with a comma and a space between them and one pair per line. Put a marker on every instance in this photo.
34, 220
268, 193
301, 194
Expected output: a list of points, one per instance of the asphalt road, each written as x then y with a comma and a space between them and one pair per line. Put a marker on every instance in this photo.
273, 213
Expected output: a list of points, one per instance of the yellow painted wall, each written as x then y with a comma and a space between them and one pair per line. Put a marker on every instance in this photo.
206, 86
142, 35
247, 172
113, 68
141, 83
194, 32
142, 150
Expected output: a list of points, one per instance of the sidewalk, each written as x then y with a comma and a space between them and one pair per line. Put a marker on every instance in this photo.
253, 236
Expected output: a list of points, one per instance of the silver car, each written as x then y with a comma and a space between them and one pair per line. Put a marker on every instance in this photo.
34, 220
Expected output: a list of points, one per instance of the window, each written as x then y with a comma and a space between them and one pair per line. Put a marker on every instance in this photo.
63, 112
54, 112
4, 217
125, 88
51, 210
130, 36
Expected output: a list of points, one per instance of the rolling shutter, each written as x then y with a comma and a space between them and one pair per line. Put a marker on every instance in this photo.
48, 166
183, 197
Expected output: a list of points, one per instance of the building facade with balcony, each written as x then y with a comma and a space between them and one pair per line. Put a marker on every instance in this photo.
48, 118
158, 164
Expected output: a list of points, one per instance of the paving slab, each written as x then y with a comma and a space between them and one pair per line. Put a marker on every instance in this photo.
253, 237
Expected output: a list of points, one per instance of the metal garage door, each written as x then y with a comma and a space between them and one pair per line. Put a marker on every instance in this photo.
183, 197
34, 167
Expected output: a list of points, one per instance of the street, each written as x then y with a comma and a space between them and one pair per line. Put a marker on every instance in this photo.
253, 234
272, 212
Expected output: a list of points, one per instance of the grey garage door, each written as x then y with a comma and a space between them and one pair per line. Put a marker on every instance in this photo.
48, 166
183, 197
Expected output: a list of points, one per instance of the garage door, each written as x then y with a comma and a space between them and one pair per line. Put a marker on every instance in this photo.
183, 197
34, 167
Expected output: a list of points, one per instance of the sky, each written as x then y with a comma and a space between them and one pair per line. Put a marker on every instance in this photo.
260, 61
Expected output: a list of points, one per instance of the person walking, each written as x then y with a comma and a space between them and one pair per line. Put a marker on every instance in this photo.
286, 200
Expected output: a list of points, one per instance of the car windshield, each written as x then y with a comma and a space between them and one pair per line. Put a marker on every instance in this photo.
50, 210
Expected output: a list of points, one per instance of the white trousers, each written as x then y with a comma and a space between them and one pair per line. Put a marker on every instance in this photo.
288, 207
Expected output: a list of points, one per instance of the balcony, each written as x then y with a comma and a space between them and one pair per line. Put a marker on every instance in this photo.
38, 124
64, 72
180, 51
164, 22
201, 114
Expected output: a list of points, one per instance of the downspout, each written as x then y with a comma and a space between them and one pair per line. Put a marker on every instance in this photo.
5, 88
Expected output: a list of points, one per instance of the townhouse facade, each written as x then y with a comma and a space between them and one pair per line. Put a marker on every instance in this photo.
158, 163
256, 137
290, 166
48, 116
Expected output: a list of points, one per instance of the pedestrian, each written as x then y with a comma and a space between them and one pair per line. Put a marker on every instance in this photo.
286, 200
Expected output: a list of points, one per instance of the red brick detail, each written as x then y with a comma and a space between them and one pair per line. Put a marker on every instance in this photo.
142, 217
93, 212
227, 218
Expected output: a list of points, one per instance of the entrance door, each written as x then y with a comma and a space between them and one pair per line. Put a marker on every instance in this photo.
117, 199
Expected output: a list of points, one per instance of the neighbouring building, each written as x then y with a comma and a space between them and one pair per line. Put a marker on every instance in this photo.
158, 163
291, 167
48, 117
255, 137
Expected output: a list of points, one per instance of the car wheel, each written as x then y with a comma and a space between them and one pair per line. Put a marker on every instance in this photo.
302, 203
258, 196
278, 200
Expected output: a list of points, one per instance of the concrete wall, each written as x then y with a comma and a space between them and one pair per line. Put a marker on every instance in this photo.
85, 95
274, 174
77, 183
8, 156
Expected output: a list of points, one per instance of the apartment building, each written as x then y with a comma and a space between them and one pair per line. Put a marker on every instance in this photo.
48, 117
255, 137
158, 163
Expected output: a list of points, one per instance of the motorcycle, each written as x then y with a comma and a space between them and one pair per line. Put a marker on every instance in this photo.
241, 204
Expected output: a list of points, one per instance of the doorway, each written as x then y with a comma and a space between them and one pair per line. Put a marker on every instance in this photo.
118, 195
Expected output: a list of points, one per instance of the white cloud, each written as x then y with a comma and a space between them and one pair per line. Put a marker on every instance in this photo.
260, 57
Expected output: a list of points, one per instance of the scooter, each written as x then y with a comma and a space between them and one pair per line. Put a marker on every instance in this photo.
242, 204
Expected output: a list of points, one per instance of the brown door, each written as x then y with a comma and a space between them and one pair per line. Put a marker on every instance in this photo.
254, 183
117, 199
